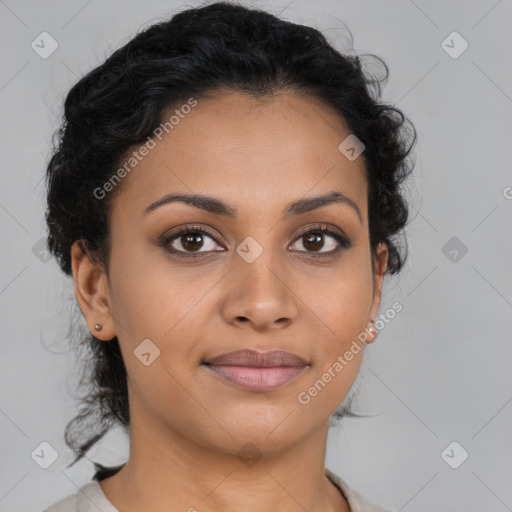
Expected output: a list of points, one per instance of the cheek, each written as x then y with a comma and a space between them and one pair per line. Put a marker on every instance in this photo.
153, 301
341, 303
326, 392
149, 297
340, 299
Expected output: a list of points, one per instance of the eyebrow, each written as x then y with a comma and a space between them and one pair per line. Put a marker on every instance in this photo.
218, 207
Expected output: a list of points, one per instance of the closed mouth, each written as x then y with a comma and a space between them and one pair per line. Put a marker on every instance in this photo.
257, 371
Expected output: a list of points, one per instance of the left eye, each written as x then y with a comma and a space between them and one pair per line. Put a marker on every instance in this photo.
314, 239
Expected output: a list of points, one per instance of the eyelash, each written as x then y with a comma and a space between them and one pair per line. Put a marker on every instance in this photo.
343, 241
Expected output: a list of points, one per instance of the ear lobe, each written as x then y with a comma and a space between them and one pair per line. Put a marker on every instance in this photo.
91, 291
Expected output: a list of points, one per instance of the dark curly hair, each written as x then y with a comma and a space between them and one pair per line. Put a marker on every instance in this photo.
117, 106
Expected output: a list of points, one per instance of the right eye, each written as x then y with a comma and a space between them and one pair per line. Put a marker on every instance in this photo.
189, 240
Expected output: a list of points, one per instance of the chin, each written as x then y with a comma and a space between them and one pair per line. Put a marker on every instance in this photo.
271, 431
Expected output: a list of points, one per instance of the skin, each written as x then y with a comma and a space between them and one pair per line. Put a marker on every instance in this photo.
187, 424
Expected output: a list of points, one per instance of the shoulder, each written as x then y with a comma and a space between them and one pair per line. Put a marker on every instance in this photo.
355, 500
89, 498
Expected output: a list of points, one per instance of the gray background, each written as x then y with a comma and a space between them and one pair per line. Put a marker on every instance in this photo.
438, 372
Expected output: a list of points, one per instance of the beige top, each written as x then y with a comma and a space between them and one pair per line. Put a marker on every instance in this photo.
90, 498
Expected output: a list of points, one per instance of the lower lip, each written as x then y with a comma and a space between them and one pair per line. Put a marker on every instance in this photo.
256, 379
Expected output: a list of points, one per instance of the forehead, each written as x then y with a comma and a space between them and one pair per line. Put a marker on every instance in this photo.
267, 151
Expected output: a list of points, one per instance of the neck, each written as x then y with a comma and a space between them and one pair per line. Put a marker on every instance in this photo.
167, 471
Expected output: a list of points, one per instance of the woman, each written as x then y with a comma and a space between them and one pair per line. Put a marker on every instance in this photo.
225, 193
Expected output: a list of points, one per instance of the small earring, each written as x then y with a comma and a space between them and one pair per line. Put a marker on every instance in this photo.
97, 327
373, 329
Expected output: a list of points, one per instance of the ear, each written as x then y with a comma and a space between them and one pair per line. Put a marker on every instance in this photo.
91, 290
380, 265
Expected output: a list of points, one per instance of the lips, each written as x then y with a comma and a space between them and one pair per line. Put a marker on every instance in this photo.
257, 371
255, 359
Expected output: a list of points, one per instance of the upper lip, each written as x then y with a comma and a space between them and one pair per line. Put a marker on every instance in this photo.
254, 358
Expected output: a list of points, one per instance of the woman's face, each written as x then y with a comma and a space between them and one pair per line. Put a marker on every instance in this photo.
253, 280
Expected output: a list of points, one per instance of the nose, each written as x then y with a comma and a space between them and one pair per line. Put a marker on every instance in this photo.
259, 296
